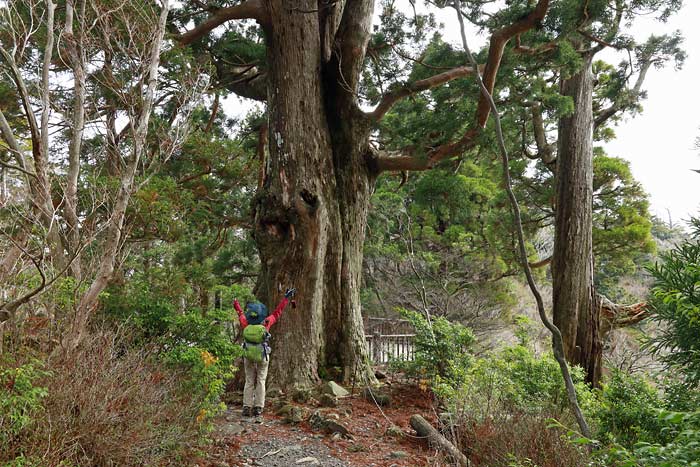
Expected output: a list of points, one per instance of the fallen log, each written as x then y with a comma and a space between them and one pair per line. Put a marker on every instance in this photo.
426, 430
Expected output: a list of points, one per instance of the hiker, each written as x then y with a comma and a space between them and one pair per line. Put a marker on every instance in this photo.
256, 325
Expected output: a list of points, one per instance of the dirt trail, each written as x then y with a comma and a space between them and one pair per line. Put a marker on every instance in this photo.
379, 437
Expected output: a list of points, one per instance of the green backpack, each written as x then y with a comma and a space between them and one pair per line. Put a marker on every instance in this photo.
255, 345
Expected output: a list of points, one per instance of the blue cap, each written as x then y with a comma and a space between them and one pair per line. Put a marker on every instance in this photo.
255, 312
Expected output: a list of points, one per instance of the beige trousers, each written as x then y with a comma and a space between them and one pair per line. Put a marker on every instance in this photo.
255, 376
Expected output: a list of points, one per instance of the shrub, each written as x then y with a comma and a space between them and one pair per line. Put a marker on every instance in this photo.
107, 404
441, 349
200, 346
502, 410
625, 411
682, 448
675, 299
197, 343
20, 398
679, 397
515, 438
513, 379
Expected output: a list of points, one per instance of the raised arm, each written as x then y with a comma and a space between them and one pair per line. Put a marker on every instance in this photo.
241, 316
272, 319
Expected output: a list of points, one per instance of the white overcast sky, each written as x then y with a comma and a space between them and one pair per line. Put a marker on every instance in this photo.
659, 142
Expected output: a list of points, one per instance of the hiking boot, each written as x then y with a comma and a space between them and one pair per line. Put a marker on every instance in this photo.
257, 411
246, 411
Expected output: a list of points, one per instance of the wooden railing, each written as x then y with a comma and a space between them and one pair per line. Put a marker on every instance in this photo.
389, 339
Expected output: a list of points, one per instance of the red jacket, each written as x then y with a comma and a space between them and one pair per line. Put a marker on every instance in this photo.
269, 321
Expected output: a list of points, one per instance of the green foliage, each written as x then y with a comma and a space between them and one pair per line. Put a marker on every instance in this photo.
441, 349
445, 232
523, 330
682, 448
197, 342
502, 409
679, 396
624, 411
201, 345
621, 220
515, 380
675, 300
20, 397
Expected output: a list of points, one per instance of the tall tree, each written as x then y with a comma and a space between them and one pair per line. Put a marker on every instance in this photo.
595, 26
311, 211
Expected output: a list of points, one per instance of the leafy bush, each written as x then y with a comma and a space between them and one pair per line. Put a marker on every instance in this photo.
20, 398
198, 343
625, 411
440, 349
502, 409
675, 300
513, 379
682, 448
679, 397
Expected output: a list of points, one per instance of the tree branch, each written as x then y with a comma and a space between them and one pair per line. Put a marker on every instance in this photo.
403, 160
525, 50
351, 42
392, 97
250, 9
246, 81
619, 105
619, 316
541, 263
12, 143
498, 41
17, 168
545, 151
24, 98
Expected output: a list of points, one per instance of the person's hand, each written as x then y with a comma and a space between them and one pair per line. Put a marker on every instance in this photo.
290, 293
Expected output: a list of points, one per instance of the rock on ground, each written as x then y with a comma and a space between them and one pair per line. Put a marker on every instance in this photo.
334, 389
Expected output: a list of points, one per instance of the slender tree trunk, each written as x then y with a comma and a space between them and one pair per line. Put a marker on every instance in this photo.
576, 311
113, 237
310, 213
77, 60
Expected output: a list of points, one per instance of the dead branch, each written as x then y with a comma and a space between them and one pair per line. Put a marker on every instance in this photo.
617, 316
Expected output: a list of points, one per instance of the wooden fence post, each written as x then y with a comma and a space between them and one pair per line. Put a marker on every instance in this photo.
377, 342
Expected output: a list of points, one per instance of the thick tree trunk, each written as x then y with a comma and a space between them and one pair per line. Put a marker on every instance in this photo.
576, 312
310, 213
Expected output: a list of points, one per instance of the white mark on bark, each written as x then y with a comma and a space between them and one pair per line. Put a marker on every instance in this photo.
285, 188
279, 139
